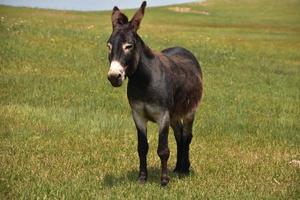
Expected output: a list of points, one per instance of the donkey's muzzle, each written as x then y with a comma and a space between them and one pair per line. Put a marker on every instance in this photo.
116, 74
115, 79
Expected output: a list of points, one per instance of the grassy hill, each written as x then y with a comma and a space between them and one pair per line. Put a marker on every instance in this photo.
66, 133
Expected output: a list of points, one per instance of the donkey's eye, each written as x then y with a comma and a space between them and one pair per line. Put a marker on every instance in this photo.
109, 46
127, 46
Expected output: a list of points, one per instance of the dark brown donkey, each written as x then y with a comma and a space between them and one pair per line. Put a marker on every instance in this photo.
164, 88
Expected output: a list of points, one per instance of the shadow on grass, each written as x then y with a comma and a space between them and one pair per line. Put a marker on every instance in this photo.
131, 176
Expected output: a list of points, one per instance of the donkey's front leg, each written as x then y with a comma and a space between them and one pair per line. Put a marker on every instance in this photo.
163, 149
141, 126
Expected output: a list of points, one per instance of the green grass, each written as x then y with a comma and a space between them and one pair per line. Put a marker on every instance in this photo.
65, 133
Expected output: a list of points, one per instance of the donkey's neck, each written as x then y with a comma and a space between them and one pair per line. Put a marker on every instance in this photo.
145, 51
143, 74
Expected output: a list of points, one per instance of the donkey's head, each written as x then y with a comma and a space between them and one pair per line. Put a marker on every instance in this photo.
123, 45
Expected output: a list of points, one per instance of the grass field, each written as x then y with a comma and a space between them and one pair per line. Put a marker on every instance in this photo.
65, 133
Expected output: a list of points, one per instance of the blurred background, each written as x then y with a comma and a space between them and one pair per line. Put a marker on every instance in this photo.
87, 5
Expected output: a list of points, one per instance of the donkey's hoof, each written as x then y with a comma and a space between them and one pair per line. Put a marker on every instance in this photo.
142, 180
185, 171
177, 169
164, 181
182, 170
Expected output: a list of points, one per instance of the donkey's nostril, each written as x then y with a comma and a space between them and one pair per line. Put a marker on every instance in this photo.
114, 76
115, 79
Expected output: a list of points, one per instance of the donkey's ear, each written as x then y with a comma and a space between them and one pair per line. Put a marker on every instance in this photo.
118, 18
138, 16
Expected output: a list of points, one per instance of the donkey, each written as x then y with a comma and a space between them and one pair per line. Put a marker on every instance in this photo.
164, 88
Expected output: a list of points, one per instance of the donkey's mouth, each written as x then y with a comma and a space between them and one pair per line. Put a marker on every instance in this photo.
117, 83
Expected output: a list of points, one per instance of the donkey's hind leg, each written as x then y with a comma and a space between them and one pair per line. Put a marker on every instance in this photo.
183, 135
186, 140
178, 132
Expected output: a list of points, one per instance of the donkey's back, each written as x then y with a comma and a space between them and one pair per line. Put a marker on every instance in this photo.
185, 56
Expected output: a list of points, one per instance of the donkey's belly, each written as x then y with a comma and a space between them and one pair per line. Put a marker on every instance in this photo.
147, 111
